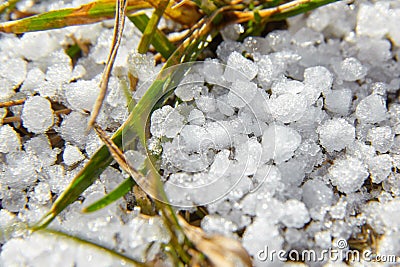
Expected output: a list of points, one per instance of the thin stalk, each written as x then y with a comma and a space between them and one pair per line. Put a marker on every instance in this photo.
117, 36
12, 103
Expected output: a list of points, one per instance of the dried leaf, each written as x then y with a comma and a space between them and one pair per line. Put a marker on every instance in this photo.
220, 250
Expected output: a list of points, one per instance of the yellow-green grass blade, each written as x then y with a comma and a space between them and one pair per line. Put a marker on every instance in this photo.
159, 40
114, 195
85, 14
8, 5
151, 27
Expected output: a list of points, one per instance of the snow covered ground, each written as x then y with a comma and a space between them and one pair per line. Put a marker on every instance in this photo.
302, 144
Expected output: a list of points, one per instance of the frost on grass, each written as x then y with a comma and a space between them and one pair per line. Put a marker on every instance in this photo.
292, 144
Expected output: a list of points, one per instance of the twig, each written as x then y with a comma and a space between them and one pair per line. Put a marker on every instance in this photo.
11, 119
117, 36
12, 103
18, 118
63, 111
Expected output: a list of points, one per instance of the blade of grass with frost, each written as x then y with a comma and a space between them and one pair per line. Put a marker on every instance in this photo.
93, 245
295, 8
121, 190
125, 186
184, 13
151, 27
85, 14
12, 103
136, 120
159, 40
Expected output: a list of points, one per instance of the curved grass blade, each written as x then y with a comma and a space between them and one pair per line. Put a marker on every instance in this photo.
121, 190
117, 36
159, 40
151, 27
85, 14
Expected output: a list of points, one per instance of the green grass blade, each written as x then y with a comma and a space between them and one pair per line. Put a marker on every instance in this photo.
159, 40
86, 177
73, 51
89, 13
114, 195
151, 27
